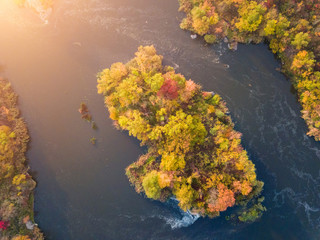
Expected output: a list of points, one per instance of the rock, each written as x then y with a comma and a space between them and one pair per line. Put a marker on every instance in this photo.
233, 46
193, 36
30, 225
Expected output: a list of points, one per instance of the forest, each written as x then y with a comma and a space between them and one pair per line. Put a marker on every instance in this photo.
194, 154
290, 27
16, 185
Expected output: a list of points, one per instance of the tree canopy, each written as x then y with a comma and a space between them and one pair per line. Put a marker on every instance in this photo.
194, 154
291, 27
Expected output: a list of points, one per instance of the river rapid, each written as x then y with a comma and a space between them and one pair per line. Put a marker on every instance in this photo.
82, 190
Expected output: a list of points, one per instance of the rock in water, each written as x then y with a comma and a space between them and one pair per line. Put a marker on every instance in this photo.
30, 225
233, 46
193, 36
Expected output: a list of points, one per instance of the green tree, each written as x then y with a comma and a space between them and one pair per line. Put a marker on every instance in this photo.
183, 131
250, 16
151, 185
128, 92
135, 124
301, 40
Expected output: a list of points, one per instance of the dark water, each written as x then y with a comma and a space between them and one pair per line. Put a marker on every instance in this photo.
82, 190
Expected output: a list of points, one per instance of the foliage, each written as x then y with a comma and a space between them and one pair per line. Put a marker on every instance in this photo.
93, 140
252, 213
21, 238
303, 63
250, 16
169, 89
210, 38
16, 185
203, 16
151, 185
291, 28
301, 40
85, 114
194, 154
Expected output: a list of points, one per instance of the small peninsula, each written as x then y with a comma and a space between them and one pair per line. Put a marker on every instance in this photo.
16, 185
292, 29
194, 154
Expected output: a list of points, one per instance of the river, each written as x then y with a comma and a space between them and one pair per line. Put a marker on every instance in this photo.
82, 190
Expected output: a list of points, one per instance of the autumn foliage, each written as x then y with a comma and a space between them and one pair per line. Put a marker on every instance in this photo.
16, 185
194, 154
169, 89
3, 225
291, 27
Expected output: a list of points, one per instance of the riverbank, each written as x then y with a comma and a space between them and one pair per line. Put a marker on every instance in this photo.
16, 184
291, 28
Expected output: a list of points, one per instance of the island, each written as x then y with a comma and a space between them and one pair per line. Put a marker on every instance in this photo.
292, 29
194, 154
16, 184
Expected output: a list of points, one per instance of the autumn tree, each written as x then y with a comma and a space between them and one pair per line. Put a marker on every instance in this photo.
250, 16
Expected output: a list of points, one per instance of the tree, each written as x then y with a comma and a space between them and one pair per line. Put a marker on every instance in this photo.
128, 92
147, 61
183, 131
221, 199
135, 124
151, 185
185, 195
108, 79
20, 237
203, 16
172, 162
209, 38
169, 89
301, 40
155, 82
250, 16
303, 63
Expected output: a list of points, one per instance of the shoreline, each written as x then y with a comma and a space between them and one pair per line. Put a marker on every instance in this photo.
292, 33
16, 184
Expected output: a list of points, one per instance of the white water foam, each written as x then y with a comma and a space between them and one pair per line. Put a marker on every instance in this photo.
185, 219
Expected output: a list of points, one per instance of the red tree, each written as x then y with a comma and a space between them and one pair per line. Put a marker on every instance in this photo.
3, 225
169, 89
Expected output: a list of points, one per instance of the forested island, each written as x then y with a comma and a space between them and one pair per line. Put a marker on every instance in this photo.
292, 29
194, 154
16, 185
